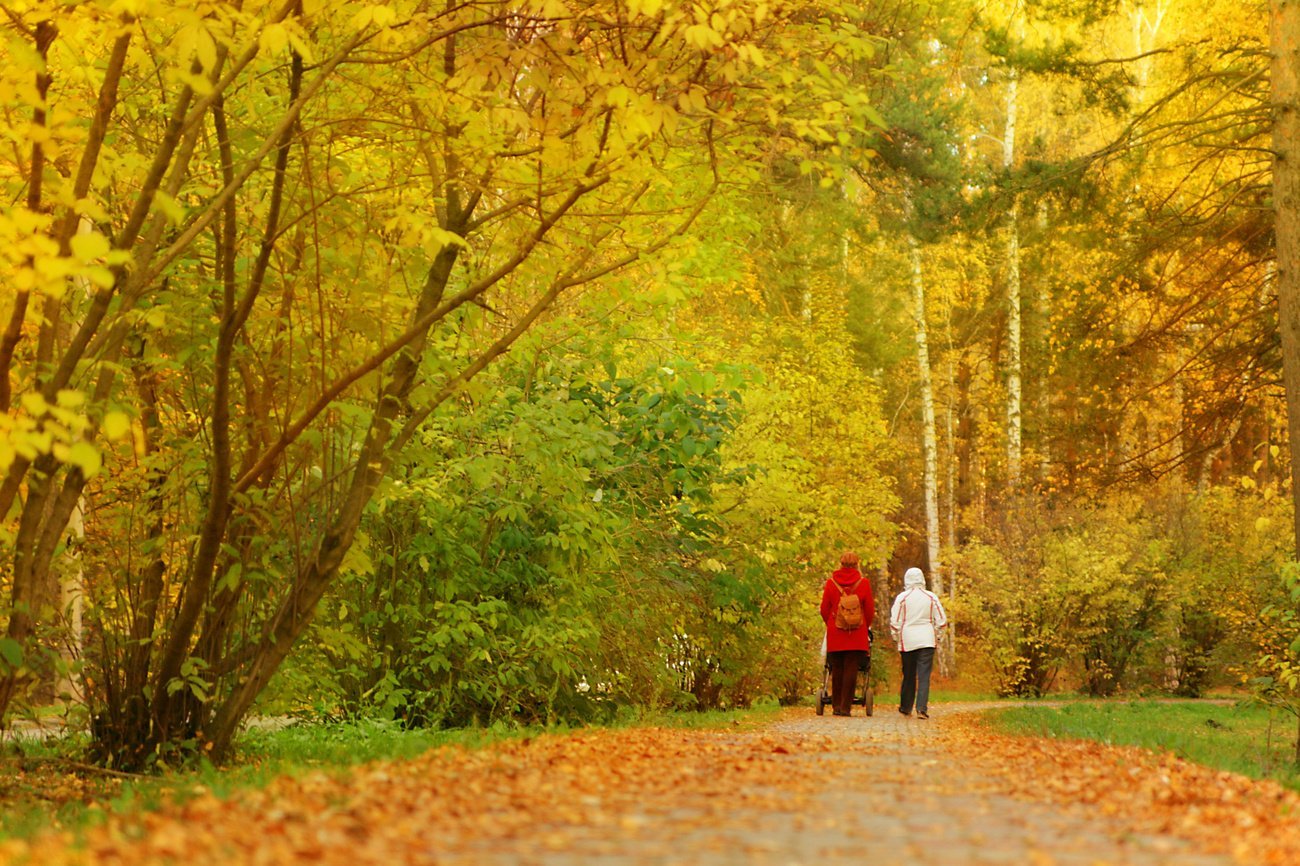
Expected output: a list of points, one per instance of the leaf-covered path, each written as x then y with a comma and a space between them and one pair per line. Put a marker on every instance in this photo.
804, 790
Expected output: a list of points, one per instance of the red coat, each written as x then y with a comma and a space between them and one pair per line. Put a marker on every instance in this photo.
838, 640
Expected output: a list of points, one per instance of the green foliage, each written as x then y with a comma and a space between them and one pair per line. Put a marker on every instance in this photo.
1086, 589
493, 584
1274, 674
1013, 616
1160, 592
596, 532
1228, 545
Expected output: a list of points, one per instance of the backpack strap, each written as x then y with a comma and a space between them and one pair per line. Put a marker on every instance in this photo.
852, 589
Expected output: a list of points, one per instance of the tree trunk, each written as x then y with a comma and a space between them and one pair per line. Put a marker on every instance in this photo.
1013, 295
297, 610
965, 439
72, 606
928, 437
1043, 403
1284, 37
950, 498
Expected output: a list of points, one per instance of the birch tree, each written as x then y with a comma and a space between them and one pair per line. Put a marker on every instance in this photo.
929, 438
929, 444
1014, 423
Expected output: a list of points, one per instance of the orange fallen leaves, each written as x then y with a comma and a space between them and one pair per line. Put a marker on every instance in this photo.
1256, 822
452, 805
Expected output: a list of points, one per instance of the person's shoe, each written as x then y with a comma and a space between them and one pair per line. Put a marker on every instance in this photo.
905, 712
921, 715
838, 713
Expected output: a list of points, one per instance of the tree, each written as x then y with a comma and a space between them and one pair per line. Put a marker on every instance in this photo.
1284, 38
454, 172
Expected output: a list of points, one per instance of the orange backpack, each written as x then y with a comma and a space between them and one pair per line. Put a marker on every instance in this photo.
848, 613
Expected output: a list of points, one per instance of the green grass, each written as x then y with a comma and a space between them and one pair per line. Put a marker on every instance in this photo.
50, 793
941, 695
1241, 738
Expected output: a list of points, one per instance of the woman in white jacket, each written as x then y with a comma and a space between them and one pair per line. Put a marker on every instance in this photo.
915, 621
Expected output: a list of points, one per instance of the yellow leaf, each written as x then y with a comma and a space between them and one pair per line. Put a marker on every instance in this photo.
362, 19
116, 425
436, 238
85, 457
34, 404
101, 277
70, 399
702, 36
205, 48
89, 247
617, 96
198, 83
169, 207
648, 8
273, 38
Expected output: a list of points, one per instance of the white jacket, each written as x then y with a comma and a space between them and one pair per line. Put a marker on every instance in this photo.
917, 614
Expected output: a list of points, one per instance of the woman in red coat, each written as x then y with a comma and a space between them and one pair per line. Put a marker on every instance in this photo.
846, 650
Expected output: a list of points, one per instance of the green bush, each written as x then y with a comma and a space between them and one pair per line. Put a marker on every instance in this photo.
599, 534
1160, 592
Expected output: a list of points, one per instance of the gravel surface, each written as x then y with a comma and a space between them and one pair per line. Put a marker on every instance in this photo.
896, 798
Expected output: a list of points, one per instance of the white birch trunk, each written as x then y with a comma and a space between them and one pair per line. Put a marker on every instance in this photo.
72, 604
928, 437
1043, 405
1146, 23
949, 637
1013, 296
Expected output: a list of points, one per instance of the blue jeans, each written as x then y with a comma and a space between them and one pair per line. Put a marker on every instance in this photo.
916, 680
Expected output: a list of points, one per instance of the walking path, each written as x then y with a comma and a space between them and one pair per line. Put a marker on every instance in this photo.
883, 789
921, 800
804, 790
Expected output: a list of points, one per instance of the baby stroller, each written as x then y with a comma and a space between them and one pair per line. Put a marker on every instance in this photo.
866, 700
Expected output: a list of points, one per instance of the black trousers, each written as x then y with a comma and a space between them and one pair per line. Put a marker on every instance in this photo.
844, 678
916, 680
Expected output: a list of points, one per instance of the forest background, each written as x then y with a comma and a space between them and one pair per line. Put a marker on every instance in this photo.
473, 361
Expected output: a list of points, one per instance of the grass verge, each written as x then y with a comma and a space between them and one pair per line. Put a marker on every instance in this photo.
1241, 738
43, 786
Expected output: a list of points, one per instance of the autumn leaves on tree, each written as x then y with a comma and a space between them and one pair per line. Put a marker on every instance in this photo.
366, 352
260, 246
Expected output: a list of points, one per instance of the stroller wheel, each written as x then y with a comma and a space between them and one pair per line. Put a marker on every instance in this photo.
821, 708
869, 701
